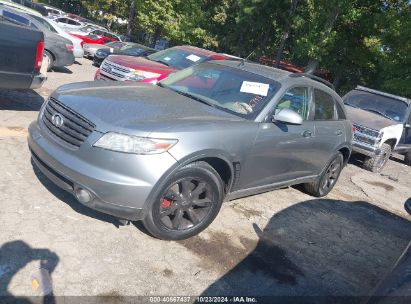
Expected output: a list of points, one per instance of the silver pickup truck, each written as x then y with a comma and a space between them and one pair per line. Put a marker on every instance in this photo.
382, 125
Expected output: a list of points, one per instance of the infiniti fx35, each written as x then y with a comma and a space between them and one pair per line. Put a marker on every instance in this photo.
170, 154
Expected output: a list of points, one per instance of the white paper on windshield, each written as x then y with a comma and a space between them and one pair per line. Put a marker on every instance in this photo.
256, 88
167, 58
193, 58
111, 50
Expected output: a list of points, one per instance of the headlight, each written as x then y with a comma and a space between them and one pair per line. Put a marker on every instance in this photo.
134, 144
141, 75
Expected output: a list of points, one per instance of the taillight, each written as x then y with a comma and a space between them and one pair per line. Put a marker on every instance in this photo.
69, 47
39, 55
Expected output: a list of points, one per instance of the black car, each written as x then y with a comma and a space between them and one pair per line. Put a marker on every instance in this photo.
130, 49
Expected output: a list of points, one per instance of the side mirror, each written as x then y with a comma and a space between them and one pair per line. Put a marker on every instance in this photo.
288, 116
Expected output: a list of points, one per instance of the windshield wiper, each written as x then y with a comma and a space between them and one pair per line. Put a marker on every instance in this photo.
351, 105
195, 97
378, 112
162, 62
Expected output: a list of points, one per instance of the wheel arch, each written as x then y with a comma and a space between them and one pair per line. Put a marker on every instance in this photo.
392, 142
219, 160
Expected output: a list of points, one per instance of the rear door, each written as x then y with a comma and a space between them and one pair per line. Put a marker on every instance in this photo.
329, 127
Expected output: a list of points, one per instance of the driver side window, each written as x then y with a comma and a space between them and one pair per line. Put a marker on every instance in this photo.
296, 99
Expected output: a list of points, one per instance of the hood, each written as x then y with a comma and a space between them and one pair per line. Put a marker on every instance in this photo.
369, 119
137, 108
139, 63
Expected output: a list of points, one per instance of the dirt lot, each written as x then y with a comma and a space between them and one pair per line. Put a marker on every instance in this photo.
278, 243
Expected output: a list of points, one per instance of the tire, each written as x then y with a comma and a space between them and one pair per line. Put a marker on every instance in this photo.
50, 60
377, 162
188, 203
407, 158
328, 178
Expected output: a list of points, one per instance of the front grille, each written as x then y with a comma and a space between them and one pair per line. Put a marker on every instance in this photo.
75, 128
115, 71
366, 131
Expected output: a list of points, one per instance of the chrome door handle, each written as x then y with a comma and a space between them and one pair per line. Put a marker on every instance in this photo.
307, 134
339, 132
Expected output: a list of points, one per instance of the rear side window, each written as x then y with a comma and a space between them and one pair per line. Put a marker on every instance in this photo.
324, 106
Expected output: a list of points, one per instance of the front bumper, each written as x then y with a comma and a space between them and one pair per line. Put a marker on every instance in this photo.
365, 149
120, 184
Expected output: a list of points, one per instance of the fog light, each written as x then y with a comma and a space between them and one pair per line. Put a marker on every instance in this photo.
83, 196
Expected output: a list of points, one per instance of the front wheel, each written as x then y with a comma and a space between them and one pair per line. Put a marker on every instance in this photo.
407, 158
328, 178
377, 162
187, 204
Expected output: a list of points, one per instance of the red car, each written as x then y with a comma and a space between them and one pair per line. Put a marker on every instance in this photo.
155, 67
96, 36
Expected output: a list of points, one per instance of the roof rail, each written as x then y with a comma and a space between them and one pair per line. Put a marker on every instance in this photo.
404, 99
313, 77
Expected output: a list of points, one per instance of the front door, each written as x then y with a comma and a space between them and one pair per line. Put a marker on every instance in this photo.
282, 152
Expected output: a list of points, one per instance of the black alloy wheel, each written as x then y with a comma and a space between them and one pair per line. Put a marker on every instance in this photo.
331, 175
328, 178
186, 204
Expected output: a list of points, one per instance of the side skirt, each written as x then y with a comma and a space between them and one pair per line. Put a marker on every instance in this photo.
261, 189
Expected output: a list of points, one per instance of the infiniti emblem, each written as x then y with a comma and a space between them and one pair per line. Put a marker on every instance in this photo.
57, 120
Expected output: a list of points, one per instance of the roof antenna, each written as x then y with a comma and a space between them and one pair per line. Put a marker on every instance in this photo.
242, 61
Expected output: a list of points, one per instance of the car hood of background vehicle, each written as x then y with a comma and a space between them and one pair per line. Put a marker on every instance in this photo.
369, 119
95, 45
139, 63
138, 108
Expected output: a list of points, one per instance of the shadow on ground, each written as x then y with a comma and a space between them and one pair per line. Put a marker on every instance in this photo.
20, 100
325, 249
16, 255
62, 70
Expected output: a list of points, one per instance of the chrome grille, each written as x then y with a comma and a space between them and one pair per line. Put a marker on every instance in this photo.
115, 71
74, 129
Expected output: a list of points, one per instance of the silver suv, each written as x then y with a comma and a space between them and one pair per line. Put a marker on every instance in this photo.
170, 154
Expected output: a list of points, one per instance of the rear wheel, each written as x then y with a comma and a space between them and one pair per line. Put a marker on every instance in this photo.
50, 60
407, 159
377, 162
187, 204
328, 178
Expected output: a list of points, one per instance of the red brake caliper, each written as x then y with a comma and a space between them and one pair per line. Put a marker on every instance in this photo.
166, 203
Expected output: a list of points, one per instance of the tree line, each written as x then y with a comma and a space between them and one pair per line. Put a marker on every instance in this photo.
366, 42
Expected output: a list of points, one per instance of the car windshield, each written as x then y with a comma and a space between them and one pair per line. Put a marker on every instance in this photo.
230, 89
177, 58
131, 50
390, 108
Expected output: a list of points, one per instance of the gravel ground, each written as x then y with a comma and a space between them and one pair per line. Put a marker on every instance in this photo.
278, 243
